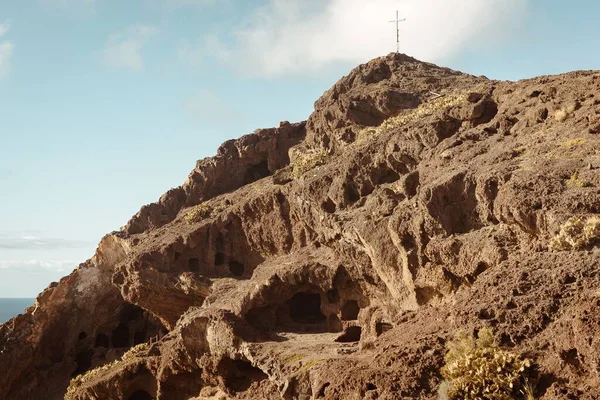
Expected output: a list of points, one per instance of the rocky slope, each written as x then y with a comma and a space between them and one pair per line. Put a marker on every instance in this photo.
334, 258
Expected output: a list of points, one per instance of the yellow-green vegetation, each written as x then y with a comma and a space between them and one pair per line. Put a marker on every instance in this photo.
575, 181
200, 212
80, 380
308, 161
573, 142
577, 233
294, 358
481, 369
424, 110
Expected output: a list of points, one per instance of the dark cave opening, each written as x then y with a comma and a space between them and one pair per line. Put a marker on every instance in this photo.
257, 171
102, 341
351, 334
382, 327
194, 265
140, 395
305, 308
83, 360
239, 375
120, 336
219, 258
333, 296
139, 338
350, 311
236, 268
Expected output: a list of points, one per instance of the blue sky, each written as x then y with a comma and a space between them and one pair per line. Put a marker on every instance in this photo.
106, 104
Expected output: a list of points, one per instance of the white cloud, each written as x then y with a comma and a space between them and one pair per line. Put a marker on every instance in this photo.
6, 50
288, 36
124, 49
33, 241
33, 265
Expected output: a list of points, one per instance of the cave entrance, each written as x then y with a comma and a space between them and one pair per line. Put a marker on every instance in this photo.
140, 395
240, 375
350, 335
236, 268
102, 341
257, 171
194, 265
120, 336
305, 308
350, 311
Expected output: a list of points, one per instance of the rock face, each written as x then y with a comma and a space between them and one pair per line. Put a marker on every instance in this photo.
346, 281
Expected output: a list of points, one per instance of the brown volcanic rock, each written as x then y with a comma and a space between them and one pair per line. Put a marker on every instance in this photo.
346, 282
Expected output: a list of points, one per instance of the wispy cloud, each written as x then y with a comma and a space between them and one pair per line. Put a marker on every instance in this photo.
209, 109
125, 49
31, 241
35, 265
6, 50
288, 36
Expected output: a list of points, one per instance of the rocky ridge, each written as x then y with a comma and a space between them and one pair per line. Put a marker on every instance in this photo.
344, 281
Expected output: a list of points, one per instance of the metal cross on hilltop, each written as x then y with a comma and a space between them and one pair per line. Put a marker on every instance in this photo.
397, 21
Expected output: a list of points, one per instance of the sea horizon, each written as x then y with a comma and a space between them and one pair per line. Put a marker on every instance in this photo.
10, 307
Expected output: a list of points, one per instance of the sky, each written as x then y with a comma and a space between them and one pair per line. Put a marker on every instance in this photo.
106, 104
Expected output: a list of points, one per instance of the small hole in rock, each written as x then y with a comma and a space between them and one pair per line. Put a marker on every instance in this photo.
82, 335
333, 296
382, 327
328, 206
350, 311
370, 387
351, 334
322, 391
236, 268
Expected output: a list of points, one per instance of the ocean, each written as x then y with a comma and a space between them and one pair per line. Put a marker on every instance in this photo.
12, 307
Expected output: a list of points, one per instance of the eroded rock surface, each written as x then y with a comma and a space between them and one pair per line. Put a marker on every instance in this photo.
347, 281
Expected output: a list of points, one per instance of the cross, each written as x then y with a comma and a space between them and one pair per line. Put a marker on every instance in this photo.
397, 21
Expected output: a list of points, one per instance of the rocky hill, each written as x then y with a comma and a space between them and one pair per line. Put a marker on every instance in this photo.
337, 258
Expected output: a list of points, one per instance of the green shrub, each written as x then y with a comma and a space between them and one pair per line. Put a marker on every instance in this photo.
481, 369
577, 233
308, 161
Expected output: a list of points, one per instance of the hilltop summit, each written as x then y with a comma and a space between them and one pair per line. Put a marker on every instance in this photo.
335, 258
